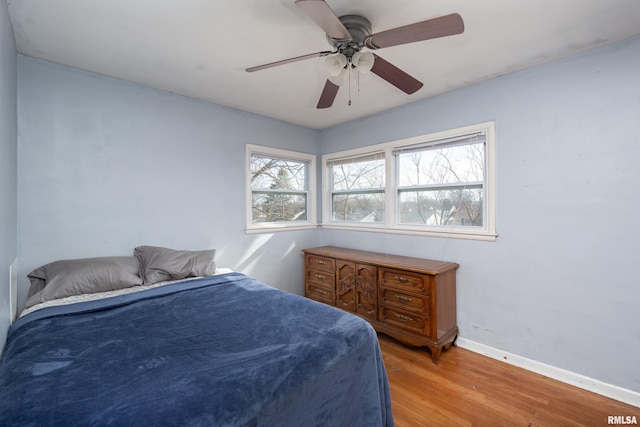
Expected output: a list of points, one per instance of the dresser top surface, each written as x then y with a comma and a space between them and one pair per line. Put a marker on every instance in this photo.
423, 265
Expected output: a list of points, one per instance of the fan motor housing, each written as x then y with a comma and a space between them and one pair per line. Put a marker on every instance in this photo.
358, 26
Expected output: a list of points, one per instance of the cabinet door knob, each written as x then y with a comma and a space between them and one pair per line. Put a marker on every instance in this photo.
403, 298
402, 279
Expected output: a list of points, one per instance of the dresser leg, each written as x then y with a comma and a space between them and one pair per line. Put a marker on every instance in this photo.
454, 342
435, 353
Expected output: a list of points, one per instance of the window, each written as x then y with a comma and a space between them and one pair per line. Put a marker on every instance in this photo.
357, 190
279, 189
440, 184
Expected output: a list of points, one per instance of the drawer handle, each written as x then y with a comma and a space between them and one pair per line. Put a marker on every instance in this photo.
320, 276
321, 262
403, 298
320, 291
402, 279
404, 318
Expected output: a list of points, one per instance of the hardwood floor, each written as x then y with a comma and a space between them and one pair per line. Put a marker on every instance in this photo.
469, 389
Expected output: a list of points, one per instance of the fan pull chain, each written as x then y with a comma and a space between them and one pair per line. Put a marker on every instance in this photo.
349, 66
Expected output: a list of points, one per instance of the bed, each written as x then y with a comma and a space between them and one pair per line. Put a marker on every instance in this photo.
220, 349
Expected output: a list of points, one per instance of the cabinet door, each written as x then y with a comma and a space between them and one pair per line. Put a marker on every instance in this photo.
356, 288
345, 285
366, 290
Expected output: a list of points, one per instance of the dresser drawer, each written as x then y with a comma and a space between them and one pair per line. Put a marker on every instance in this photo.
403, 280
321, 263
320, 293
320, 277
411, 302
405, 320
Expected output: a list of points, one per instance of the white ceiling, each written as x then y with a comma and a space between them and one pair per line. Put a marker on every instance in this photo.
200, 48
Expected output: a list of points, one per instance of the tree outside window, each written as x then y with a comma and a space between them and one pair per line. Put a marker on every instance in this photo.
281, 190
358, 189
442, 186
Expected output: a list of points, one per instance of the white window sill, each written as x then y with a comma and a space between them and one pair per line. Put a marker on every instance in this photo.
412, 231
273, 227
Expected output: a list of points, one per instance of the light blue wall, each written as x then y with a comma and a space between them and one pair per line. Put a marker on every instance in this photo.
106, 165
560, 284
8, 162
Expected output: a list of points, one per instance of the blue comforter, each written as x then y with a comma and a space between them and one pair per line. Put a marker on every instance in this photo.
218, 351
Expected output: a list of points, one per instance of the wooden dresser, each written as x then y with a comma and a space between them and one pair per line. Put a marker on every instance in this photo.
410, 299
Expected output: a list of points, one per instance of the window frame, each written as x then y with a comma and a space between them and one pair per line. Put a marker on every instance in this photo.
376, 155
391, 222
277, 153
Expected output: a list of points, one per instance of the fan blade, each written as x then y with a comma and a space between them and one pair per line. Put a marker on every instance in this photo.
321, 14
328, 95
287, 61
443, 26
395, 76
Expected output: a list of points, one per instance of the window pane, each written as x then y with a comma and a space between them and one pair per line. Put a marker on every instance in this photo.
463, 163
360, 207
277, 174
452, 207
358, 175
276, 207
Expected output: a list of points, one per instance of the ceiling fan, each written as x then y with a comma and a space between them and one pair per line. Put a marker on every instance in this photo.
350, 35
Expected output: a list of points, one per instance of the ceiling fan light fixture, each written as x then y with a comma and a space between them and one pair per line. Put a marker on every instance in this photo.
340, 78
363, 61
335, 64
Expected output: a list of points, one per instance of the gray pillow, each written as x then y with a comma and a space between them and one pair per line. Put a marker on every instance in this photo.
159, 264
69, 277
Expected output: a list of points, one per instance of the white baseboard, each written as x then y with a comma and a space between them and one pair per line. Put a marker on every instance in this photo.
614, 392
